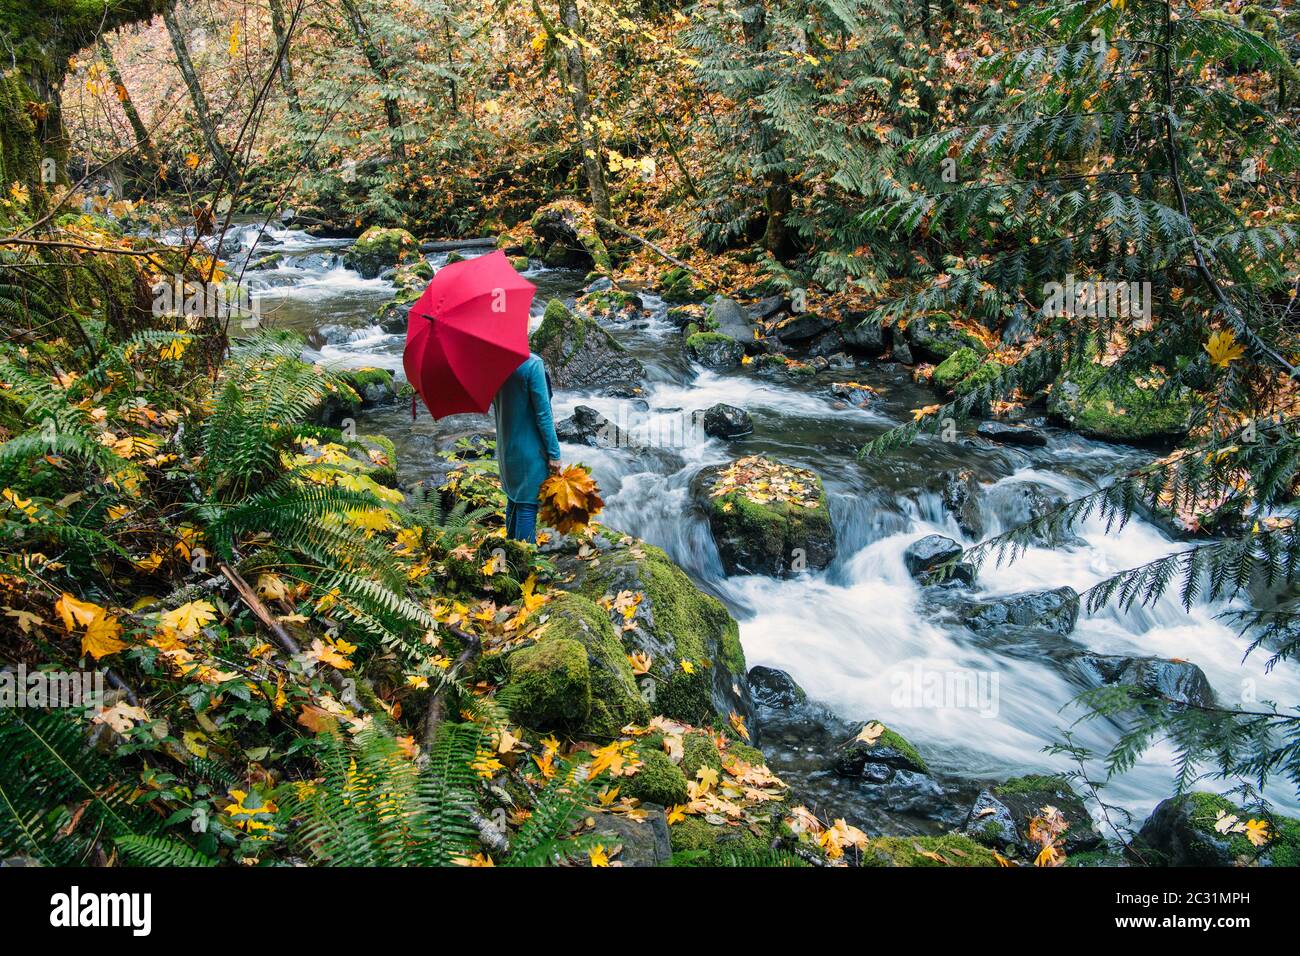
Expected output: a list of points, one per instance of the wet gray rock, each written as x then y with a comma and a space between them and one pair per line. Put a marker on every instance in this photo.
774, 688
1179, 681
853, 395
864, 335
765, 308
804, 327
1010, 434
1053, 612
727, 422
1019, 502
926, 554
902, 352
586, 426
1181, 832
961, 495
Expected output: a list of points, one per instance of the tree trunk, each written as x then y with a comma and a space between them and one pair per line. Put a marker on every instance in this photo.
371, 52
191, 77
128, 106
579, 99
279, 27
776, 199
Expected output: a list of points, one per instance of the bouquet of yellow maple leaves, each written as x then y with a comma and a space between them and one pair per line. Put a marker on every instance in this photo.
569, 499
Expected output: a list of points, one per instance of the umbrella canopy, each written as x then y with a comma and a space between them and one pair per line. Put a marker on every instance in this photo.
467, 333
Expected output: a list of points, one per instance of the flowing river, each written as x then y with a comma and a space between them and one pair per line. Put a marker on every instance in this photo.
859, 635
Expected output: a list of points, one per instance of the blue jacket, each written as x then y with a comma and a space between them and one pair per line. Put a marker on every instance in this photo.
525, 430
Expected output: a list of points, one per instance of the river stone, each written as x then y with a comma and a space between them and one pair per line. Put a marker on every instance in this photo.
902, 352
1179, 681
804, 327
586, 426
961, 494
579, 354
1051, 611
727, 422
766, 537
1181, 832
864, 335
728, 317
1010, 434
853, 394
1016, 503
1001, 815
934, 337
714, 350
378, 249
641, 843
877, 760
774, 688
926, 554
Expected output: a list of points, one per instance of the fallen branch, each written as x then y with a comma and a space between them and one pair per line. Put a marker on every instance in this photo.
450, 245
437, 703
615, 227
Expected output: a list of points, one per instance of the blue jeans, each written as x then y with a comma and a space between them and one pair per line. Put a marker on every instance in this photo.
521, 521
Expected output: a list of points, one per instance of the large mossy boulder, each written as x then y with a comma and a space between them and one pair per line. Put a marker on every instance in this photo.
378, 249
676, 286
579, 354
1205, 829
1002, 815
549, 686
766, 517
605, 697
696, 667
1126, 409
567, 232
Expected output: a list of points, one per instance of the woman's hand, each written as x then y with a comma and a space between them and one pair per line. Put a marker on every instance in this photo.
554, 465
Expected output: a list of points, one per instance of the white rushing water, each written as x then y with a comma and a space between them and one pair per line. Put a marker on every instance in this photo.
858, 635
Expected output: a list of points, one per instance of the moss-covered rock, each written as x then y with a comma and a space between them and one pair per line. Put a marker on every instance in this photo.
677, 286
374, 386
696, 842
1182, 832
888, 747
965, 370
658, 781
378, 249
699, 750
760, 531
714, 350
951, 849
580, 354
1001, 816
615, 698
549, 687
568, 231
1119, 410
935, 337
697, 666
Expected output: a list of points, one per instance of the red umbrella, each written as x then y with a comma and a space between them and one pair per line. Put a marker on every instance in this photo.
466, 334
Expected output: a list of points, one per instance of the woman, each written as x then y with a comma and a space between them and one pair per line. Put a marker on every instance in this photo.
526, 444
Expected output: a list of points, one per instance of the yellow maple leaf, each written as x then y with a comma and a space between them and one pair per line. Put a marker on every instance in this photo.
1257, 832
101, 637
1223, 348
598, 856
190, 618
76, 613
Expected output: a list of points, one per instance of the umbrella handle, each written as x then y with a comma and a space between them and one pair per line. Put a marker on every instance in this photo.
413, 405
